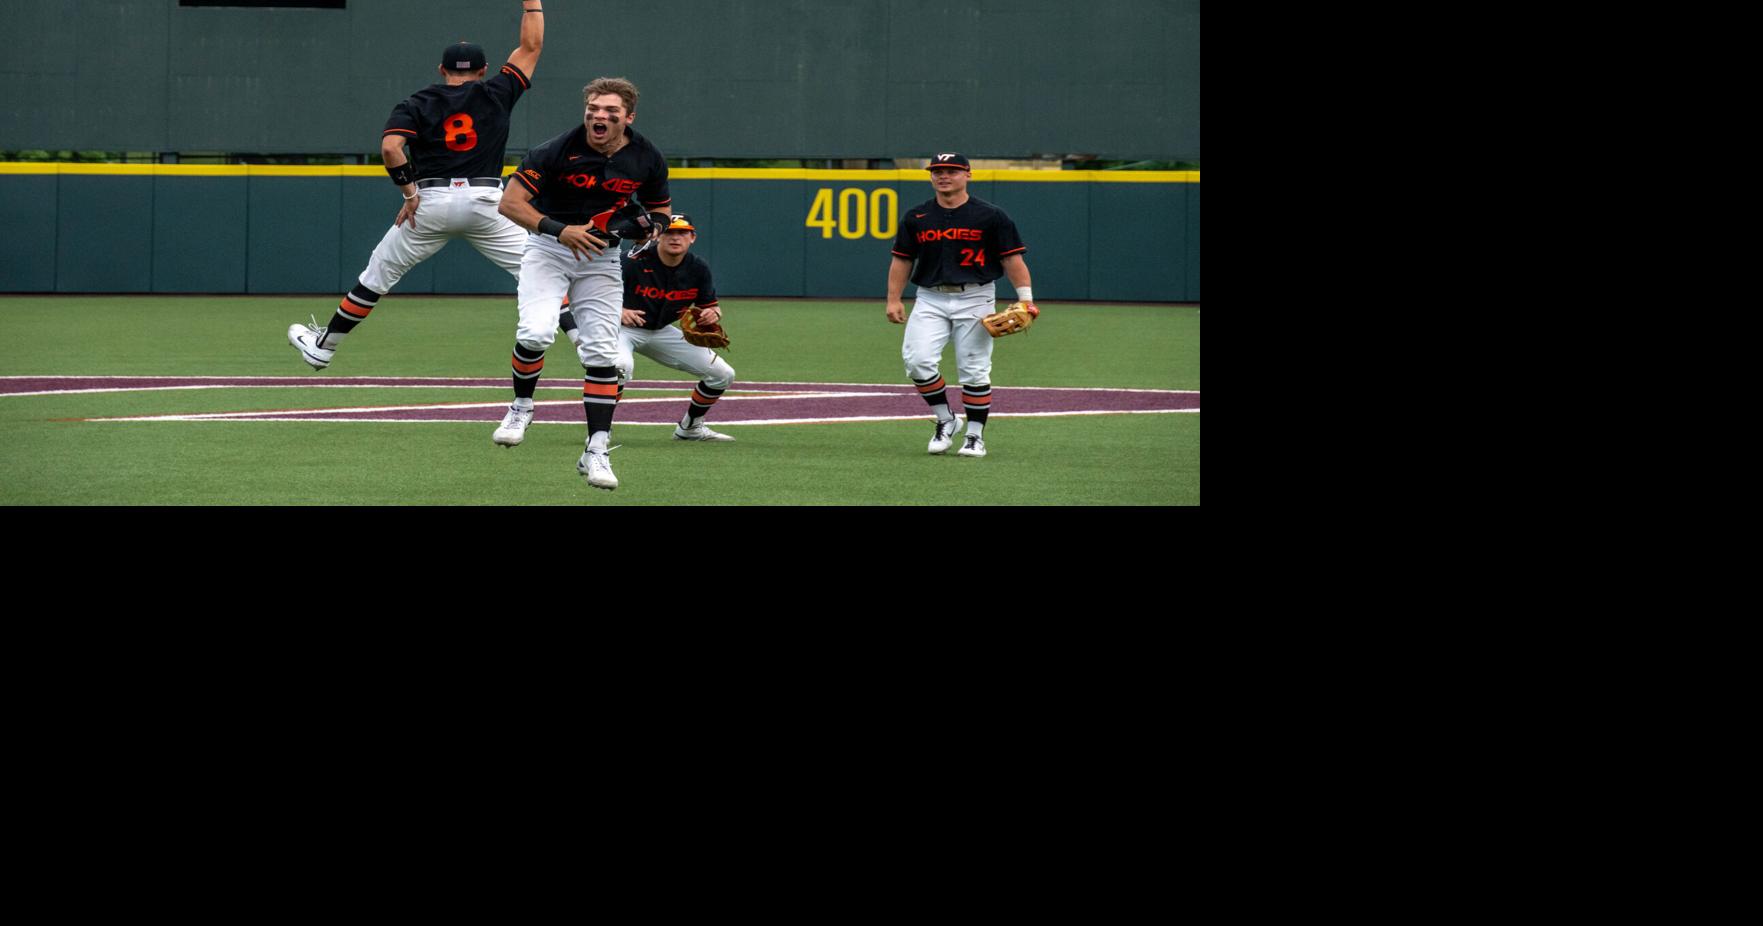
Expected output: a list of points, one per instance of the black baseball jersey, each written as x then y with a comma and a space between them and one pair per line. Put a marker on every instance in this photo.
661, 292
459, 131
572, 182
960, 245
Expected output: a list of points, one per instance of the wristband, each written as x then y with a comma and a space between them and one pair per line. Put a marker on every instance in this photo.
1025, 294
400, 174
552, 227
410, 197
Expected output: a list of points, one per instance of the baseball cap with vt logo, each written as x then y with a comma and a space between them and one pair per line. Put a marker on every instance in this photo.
949, 159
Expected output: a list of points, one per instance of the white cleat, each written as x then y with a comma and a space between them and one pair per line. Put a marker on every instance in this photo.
945, 435
701, 432
513, 429
596, 468
306, 339
975, 447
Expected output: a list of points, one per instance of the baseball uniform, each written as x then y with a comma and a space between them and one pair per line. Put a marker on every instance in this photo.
455, 139
661, 293
957, 255
571, 183
576, 185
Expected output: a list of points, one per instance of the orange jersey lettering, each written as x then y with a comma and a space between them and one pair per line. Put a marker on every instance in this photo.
949, 234
670, 295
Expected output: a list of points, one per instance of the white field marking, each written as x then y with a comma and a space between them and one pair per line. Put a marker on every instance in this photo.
291, 379
662, 424
271, 414
1025, 388
468, 382
685, 387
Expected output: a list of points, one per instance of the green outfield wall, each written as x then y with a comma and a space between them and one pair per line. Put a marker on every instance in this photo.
102, 228
720, 78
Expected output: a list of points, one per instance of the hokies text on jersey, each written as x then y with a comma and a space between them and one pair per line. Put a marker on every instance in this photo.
589, 181
670, 295
949, 234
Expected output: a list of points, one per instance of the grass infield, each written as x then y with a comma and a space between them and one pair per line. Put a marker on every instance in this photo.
51, 454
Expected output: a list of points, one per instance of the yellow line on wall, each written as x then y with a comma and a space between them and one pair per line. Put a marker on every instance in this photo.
677, 173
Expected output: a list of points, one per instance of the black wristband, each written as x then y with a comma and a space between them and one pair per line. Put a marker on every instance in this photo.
552, 227
400, 174
660, 219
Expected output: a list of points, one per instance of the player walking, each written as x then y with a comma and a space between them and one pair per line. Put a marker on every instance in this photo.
659, 284
455, 132
962, 245
577, 193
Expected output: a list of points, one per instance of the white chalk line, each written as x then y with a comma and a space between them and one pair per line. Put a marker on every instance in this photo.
661, 424
287, 414
464, 382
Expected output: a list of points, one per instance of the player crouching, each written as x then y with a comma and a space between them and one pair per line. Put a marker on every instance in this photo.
663, 284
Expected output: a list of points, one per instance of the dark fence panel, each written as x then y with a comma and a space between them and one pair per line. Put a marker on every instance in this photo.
732, 78
820, 233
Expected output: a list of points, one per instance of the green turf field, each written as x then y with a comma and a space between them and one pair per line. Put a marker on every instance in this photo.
50, 455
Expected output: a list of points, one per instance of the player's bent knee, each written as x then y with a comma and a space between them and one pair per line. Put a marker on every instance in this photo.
537, 333
720, 376
597, 358
921, 370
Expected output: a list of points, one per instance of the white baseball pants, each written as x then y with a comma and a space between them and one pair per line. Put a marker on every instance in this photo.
595, 286
669, 347
446, 213
935, 318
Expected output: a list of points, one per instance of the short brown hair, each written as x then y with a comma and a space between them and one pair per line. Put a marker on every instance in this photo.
626, 91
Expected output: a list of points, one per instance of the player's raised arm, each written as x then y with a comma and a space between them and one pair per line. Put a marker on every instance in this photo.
532, 37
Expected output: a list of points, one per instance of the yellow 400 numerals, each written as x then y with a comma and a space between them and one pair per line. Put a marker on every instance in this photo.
876, 215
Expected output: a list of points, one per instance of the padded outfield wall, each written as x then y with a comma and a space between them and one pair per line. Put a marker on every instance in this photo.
81, 228
720, 78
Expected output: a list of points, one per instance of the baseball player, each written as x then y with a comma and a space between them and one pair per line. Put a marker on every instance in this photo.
659, 283
961, 246
455, 132
578, 193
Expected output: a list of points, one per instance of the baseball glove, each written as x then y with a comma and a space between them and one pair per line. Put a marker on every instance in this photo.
703, 334
630, 223
1018, 317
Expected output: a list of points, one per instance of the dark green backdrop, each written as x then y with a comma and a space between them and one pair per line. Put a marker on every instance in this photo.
720, 78
158, 230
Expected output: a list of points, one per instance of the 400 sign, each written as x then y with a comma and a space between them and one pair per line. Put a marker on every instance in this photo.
875, 214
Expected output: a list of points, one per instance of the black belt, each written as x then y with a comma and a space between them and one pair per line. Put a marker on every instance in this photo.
953, 287
433, 182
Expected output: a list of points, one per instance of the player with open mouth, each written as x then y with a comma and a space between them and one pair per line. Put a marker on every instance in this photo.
578, 194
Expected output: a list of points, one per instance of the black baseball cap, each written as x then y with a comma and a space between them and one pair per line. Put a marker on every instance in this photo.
462, 57
949, 159
679, 221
